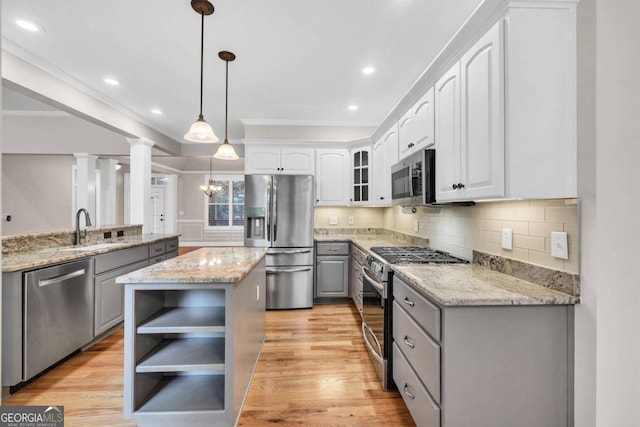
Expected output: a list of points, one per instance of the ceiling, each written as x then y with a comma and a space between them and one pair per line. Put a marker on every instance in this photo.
297, 61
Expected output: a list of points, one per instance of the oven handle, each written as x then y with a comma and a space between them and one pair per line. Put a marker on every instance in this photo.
376, 284
376, 354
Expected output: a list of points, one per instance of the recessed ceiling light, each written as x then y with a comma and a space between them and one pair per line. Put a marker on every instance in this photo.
368, 70
28, 25
111, 81
353, 107
156, 111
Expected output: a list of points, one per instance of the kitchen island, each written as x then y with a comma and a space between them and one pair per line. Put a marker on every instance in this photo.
194, 330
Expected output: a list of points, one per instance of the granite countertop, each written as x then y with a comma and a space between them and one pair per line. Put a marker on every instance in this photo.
205, 265
49, 256
471, 285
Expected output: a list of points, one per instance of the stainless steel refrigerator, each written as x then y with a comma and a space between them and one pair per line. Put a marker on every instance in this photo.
279, 215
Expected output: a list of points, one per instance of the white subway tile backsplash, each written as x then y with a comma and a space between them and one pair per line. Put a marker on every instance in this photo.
565, 215
544, 229
461, 230
528, 242
518, 227
545, 260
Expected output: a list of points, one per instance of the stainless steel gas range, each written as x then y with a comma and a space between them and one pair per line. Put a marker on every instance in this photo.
377, 284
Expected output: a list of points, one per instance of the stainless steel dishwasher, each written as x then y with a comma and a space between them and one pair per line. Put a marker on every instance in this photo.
58, 314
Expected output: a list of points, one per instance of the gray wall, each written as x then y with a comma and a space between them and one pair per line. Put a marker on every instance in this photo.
617, 209
191, 219
36, 192
585, 312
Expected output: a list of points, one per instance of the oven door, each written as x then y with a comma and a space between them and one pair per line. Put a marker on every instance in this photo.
373, 322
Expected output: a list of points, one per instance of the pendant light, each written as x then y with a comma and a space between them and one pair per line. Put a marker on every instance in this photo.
210, 189
226, 151
200, 130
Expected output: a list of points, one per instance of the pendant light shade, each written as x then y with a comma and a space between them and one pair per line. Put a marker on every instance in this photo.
200, 130
226, 151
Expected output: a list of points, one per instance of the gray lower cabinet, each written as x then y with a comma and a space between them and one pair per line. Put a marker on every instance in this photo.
482, 366
109, 295
109, 298
332, 269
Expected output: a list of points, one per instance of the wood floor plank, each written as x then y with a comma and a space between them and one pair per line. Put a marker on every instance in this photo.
313, 371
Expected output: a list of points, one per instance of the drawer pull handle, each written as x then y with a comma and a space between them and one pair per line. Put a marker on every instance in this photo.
409, 302
408, 343
158, 249
406, 391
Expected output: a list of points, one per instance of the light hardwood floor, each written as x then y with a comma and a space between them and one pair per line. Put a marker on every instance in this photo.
314, 370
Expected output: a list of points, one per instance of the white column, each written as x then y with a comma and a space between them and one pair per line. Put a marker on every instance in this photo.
86, 182
107, 191
140, 183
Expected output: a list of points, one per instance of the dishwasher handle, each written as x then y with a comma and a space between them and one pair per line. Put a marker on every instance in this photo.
61, 278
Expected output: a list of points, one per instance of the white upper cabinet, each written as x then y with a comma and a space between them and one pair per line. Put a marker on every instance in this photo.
385, 154
482, 117
447, 120
361, 175
469, 124
332, 177
279, 160
416, 126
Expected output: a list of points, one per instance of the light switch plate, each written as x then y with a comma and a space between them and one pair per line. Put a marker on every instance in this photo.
351, 220
507, 238
559, 246
333, 220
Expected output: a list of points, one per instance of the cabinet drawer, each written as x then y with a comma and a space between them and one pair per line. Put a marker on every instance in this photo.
156, 249
170, 255
423, 409
426, 314
111, 260
171, 245
333, 248
420, 350
156, 259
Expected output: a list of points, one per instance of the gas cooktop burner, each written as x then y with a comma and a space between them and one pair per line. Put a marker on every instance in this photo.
413, 254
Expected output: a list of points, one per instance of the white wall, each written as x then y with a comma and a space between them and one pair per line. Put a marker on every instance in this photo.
617, 220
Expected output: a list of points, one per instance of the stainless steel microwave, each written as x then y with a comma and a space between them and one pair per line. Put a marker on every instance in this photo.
413, 180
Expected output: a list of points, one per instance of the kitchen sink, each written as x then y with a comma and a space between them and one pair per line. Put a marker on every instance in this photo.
93, 247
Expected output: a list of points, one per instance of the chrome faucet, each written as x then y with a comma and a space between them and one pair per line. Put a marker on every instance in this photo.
87, 223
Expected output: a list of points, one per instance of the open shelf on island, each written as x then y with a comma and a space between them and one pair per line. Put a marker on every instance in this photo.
186, 393
184, 320
185, 354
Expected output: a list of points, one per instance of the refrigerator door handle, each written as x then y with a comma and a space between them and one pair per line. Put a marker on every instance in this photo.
275, 209
297, 251
289, 270
268, 213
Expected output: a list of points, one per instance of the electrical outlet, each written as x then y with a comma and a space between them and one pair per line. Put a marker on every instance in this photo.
333, 220
351, 220
416, 225
559, 246
507, 238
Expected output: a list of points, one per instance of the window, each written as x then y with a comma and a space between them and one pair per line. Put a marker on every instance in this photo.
225, 209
